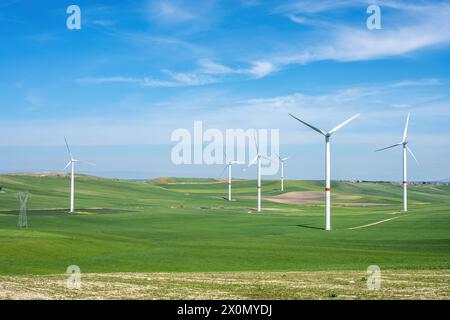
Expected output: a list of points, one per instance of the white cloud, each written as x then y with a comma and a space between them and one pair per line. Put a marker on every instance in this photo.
145, 82
412, 27
185, 15
383, 107
103, 22
43, 37
314, 6
420, 82
353, 44
208, 73
190, 79
250, 3
34, 99
102, 80
297, 19
212, 67
178, 79
172, 12
261, 68
256, 69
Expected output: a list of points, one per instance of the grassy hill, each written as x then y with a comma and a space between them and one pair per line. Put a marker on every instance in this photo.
185, 225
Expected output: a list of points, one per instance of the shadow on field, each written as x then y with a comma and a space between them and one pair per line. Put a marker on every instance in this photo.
50, 212
308, 226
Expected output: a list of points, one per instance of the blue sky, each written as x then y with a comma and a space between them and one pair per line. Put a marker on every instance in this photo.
137, 70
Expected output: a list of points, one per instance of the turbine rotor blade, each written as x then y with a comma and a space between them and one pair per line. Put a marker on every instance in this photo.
223, 171
307, 124
67, 165
85, 162
253, 161
405, 133
343, 124
284, 159
256, 141
225, 156
68, 149
412, 154
266, 158
394, 145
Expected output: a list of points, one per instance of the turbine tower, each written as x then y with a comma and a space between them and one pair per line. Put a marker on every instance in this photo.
258, 160
228, 166
327, 136
71, 163
282, 161
404, 144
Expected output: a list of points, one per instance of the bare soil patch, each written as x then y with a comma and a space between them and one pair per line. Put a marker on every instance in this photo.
396, 284
313, 197
301, 197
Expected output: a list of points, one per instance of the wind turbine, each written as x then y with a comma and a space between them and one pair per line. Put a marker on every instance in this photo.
71, 163
404, 143
228, 166
258, 160
282, 161
327, 136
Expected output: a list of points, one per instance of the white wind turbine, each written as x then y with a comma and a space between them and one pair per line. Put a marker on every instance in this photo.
282, 161
71, 163
404, 143
229, 163
258, 160
327, 136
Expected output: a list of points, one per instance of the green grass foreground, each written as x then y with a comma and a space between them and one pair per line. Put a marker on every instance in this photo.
185, 225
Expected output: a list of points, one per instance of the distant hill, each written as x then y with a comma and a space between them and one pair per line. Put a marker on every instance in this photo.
172, 180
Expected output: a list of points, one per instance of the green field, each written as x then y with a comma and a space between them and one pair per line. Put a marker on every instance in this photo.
185, 225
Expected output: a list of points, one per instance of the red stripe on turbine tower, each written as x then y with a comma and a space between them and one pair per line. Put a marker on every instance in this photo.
327, 189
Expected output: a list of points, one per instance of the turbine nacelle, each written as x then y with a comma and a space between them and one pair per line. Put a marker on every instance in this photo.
282, 160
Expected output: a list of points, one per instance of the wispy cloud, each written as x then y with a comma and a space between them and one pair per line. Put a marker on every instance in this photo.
212, 67
420, 82
171, 11
43, 37
144, 82
177, 79
381, 98
183, 15
380, 105
190, 79
208, 72
261, 68
412, 27
256, 69
34, 100
314, 7
407, 28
